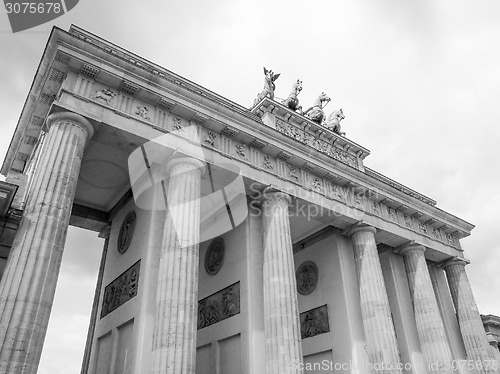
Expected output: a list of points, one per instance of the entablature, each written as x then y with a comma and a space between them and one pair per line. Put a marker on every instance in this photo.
87, 72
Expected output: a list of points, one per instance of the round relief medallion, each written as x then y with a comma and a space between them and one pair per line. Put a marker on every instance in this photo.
214, 258
126, 232
307, 277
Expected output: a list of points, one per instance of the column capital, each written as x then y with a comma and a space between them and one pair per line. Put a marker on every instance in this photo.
454, 261
272, 194
72, 117
406, 248
179, 161
360, 227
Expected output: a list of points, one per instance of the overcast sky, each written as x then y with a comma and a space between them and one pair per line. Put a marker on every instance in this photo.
418, 81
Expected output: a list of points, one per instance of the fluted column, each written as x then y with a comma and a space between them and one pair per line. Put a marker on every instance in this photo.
281, 313
469, 319
29, 282
174, 341
375, 310
430, 326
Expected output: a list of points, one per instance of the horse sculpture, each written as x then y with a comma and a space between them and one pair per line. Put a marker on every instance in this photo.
292, 101
316, 113
333, 122
269, 86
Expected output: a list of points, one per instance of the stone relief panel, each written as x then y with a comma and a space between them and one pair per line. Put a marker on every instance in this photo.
314, 322
318, 144
126, 232
214, 258
121, 290
306, 277
143, 111
219, 306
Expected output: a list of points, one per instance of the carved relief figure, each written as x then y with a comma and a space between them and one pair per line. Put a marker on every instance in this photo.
214, 258
126, 232
269, 86
143, 112
105, 95
333, 122
314, 322
292, 101
219, 306
307, 277
316, 113
121, 290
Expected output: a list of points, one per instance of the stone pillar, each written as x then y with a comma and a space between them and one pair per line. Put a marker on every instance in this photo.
430, 326
281, 312
469, 319
174, 341
29, 282
95, 305
380, 335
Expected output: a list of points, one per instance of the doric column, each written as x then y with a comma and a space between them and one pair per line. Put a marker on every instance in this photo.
281, 312
174, 341
375, 310
430, 326
469, 319
29, 282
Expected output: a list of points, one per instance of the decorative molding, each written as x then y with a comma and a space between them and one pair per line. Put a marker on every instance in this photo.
258, 144
307, 167
307, 277
320, 145
37, 121
165, 104
30, 140
314, 322
229, 132
90, 70
104, 95
126, 232
214, 257
56, 75
46, 99
129, 88
219, 306
240, 150
22, 157
121, 290
293, 173
199, 119
210, 139
267, 162
143, 112
284, 156
62, 57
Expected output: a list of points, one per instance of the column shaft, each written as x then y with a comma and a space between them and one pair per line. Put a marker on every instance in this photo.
375, 310
469, 319
174, 341
430, 326
281, 313
29, 282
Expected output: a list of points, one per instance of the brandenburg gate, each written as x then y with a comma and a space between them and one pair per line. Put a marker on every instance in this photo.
237, 239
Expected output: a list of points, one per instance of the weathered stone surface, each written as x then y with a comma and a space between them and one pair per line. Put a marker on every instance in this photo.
380, 335
469, 319
282, 325
174, 340
29, 282
430, 326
